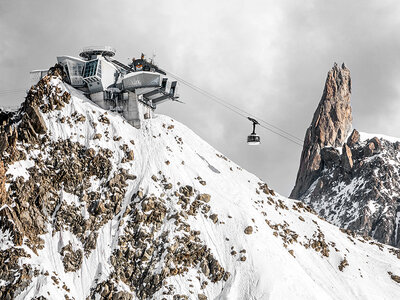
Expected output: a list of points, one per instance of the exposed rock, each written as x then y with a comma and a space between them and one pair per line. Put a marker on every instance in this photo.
130, 155
369, 149
168, 186
187, 191
140, 252
344, 263
353, 138
248, 230
266, 190
370, 207
72, 259
36, 119
103, 119
329, 127
395, 278
214, 218
97, 136
347, 160
377, 143
204, 197
330, 157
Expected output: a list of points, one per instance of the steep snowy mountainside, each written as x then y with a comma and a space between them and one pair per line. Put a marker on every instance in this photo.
350, 178
93, 208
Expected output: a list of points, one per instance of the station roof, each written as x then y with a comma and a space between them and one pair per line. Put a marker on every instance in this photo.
88, 52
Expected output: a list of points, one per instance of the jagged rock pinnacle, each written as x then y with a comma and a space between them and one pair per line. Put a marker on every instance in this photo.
330, 126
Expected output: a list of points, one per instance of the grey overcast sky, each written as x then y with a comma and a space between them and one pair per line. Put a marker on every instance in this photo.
268, 57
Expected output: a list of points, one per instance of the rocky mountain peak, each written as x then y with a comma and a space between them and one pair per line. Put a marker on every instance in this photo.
352, 183
329, 128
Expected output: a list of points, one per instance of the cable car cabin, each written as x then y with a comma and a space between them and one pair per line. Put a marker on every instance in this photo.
253, 139
133, 90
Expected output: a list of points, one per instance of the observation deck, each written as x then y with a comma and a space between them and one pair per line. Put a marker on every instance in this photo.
89, 52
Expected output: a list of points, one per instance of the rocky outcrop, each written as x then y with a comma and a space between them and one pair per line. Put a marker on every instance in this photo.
27, 124
329, 128
359, 189
72, 260
352, 183
347, 158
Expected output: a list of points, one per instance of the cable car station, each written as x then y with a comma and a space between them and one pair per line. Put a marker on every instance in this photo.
133, 90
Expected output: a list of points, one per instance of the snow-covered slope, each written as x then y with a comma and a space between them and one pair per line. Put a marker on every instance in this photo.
158, 213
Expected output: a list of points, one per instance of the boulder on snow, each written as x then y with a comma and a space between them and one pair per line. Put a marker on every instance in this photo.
248, 230
214, 218
204, 197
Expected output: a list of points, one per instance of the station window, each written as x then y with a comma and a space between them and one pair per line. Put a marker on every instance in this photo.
99, 70
90, 68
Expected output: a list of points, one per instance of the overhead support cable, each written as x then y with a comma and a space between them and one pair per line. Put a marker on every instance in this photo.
239, 111
235, 109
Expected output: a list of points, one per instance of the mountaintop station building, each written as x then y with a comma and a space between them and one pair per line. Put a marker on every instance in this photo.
133, 90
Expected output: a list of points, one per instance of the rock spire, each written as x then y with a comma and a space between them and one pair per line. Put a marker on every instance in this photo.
330, 126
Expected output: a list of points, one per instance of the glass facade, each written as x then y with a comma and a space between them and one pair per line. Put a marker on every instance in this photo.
99, 70
90, 68
74, 69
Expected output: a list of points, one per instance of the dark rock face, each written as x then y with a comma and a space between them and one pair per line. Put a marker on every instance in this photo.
362, 193
330, 156
359, 187
353, 138
347, 158
330, 126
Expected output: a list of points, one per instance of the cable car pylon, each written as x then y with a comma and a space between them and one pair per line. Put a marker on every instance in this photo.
253, 139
